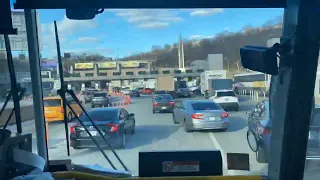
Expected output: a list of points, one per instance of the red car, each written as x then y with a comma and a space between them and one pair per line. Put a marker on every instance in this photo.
146, 91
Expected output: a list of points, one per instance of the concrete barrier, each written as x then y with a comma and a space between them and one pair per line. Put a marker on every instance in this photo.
27, 113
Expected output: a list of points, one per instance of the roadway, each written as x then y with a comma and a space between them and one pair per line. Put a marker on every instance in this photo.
157, 132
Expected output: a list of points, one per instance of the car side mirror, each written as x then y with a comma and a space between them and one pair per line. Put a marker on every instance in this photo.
131, 115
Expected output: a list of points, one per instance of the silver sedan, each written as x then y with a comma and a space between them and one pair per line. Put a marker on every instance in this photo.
200, 115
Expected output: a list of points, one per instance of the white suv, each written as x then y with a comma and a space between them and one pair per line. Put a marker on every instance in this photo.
227, 99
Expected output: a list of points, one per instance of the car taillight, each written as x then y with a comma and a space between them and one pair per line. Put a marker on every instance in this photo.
171, 103
73, 129
224, 115
266, 131
61, 110
155, 104
113, 127
197, 116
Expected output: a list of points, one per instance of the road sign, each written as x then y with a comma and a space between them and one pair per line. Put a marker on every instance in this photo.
19, 42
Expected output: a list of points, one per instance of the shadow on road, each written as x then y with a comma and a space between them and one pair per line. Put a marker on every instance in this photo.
237, 123
149, 134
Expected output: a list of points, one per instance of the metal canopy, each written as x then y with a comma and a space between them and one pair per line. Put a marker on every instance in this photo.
126, 4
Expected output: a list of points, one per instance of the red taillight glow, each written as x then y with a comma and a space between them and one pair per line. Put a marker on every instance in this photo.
224, 115
73, 129
197, 116
171, 103
61, 110
155, 104
266, 131
113, 128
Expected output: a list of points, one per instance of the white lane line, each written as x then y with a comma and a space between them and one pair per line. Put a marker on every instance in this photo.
217, 146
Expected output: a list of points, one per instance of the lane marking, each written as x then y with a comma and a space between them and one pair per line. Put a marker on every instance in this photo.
218, 146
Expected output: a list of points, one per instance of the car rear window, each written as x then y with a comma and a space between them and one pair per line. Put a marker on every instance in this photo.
52, 103
101, 115
164, 97
226, 93
100, 94
205, 106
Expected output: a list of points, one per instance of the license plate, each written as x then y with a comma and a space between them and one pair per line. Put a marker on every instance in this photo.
212, 118
164, 108
85, 134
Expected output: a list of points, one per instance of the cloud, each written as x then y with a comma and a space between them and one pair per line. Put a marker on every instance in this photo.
205, 12
149, 18
197, 37
66, 28
154, 25
87, 40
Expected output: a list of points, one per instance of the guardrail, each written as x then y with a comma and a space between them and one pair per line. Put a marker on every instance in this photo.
254, 94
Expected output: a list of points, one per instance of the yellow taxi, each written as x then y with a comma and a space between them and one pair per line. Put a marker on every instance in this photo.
53, 109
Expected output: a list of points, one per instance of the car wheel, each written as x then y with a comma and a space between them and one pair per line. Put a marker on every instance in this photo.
69, 117
185, 126
153, 111
123, 140
261, 156
174, 119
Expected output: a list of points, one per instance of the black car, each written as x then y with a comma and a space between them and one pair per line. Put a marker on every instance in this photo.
100, 99
162, 103
260, 129
114, 123
135, 93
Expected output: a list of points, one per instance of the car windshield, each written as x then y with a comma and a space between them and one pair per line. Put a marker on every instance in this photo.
226, 93
165, 97
101, 115
205, 106
150, 50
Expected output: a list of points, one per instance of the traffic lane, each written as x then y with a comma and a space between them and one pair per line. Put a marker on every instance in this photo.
153, 132
234, 139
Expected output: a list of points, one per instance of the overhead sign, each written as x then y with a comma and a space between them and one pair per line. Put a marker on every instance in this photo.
19, 42
107, 65
83, 66
48, 64
130, 64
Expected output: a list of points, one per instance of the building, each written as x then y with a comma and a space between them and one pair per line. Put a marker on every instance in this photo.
199, 64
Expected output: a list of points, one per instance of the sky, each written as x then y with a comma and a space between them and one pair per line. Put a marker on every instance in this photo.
120, 33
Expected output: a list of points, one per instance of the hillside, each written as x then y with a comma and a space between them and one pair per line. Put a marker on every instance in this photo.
225, 43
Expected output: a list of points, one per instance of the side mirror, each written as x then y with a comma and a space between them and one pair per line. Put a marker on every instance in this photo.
131, 115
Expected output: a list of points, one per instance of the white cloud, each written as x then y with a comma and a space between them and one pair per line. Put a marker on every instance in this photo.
205, 12
149, 18
154, 25
198, 36
66, 27
87, 40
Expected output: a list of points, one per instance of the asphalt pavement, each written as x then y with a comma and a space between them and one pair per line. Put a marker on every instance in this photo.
157, 132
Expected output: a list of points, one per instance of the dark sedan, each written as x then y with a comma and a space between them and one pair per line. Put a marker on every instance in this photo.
135, 93
260, 130
114, 123
162, 102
